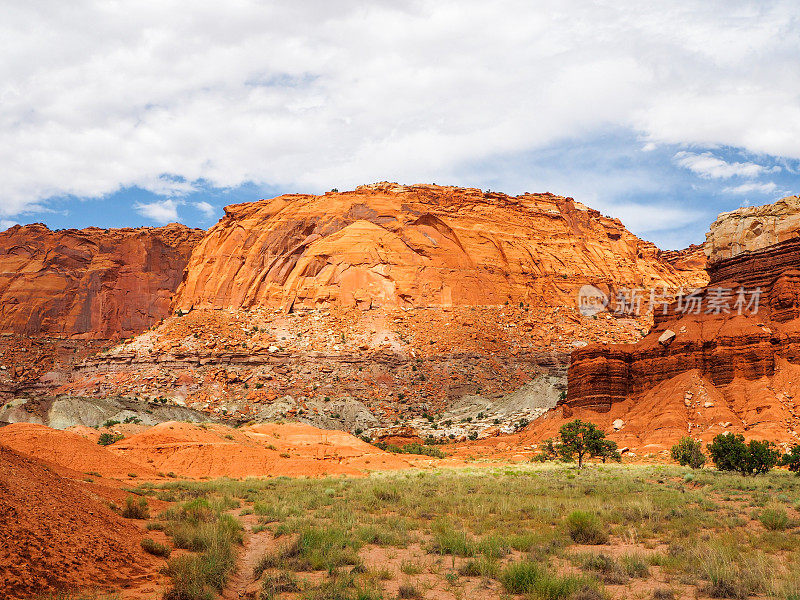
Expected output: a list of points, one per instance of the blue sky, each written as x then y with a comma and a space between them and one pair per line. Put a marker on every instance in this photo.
131, 114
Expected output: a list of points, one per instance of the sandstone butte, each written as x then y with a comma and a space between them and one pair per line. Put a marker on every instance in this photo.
407, 297
721, 371
389, 245
91, 283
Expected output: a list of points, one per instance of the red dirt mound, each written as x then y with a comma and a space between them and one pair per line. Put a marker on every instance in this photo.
55, 536
69, 450
263, 450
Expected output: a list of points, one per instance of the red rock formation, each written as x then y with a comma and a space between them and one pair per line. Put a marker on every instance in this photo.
691, 263
746, 357
90, 283
388, 245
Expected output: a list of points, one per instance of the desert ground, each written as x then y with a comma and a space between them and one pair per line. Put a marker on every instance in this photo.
152, 516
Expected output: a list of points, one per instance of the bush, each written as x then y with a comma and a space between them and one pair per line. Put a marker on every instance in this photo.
106, 439
730, 453
586, 528
136, 509
688, 453
531, 578
154, 548
521, 577
792, 459
761, 457
774, 519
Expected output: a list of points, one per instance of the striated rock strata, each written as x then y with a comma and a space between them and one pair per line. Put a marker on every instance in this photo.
90, 283
725, 365
388, 245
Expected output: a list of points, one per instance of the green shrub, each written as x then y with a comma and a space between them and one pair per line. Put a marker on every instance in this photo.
689, 452
136, 509
586, 528
774, 519
521, 577
106, 439
531, 578
154, 548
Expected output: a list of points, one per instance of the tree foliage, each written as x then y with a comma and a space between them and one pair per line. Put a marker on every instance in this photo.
792, 459
581, 438
689, 452
730, 453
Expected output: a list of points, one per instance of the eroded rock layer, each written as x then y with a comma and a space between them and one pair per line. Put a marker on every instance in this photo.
737, 340
387, 245
90, 283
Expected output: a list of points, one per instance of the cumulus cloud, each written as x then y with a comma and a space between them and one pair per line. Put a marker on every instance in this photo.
312, 95
160, 211
206, 208
749, 188
709, 166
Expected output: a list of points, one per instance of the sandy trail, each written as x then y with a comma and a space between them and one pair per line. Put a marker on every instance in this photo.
255, 546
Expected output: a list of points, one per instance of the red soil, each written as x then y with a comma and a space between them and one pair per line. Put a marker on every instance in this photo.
70, 450
212, 451
56, 536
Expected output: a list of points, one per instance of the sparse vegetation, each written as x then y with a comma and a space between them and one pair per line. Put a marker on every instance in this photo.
106, 439
156, 549
136, 509
519, 530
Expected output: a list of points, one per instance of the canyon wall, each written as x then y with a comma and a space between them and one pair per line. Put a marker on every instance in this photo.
387, 245
738, 340
90, 283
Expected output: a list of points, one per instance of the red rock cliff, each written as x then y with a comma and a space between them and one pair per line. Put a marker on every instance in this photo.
90, 283
388, 245
743, 360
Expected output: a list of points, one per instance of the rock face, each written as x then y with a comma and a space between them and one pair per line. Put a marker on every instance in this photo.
388, 245
347, 310
726, 358
90, 283
753, 228
690, 263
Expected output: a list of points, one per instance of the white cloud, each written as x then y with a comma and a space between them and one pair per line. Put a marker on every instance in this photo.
98, 96
748, 188
709, 166
161, 211
206, 208
6, 224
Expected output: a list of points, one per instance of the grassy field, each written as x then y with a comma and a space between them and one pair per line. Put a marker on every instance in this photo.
536, 531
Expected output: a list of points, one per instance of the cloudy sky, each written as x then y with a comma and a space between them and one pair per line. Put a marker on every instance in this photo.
141, 113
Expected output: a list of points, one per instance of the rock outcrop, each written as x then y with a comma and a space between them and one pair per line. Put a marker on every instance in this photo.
90, 283
724, 358
753, 228
389, 245
397, 300
347, 310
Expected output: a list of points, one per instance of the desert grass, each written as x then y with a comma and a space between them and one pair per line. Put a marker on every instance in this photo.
544, 531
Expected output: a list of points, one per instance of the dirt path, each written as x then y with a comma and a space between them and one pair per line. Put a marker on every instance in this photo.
255, 546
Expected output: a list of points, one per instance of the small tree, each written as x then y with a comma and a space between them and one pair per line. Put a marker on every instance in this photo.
689, 452
792, 459
548, 450
730, 453
609, 451
581, 438
761, 457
